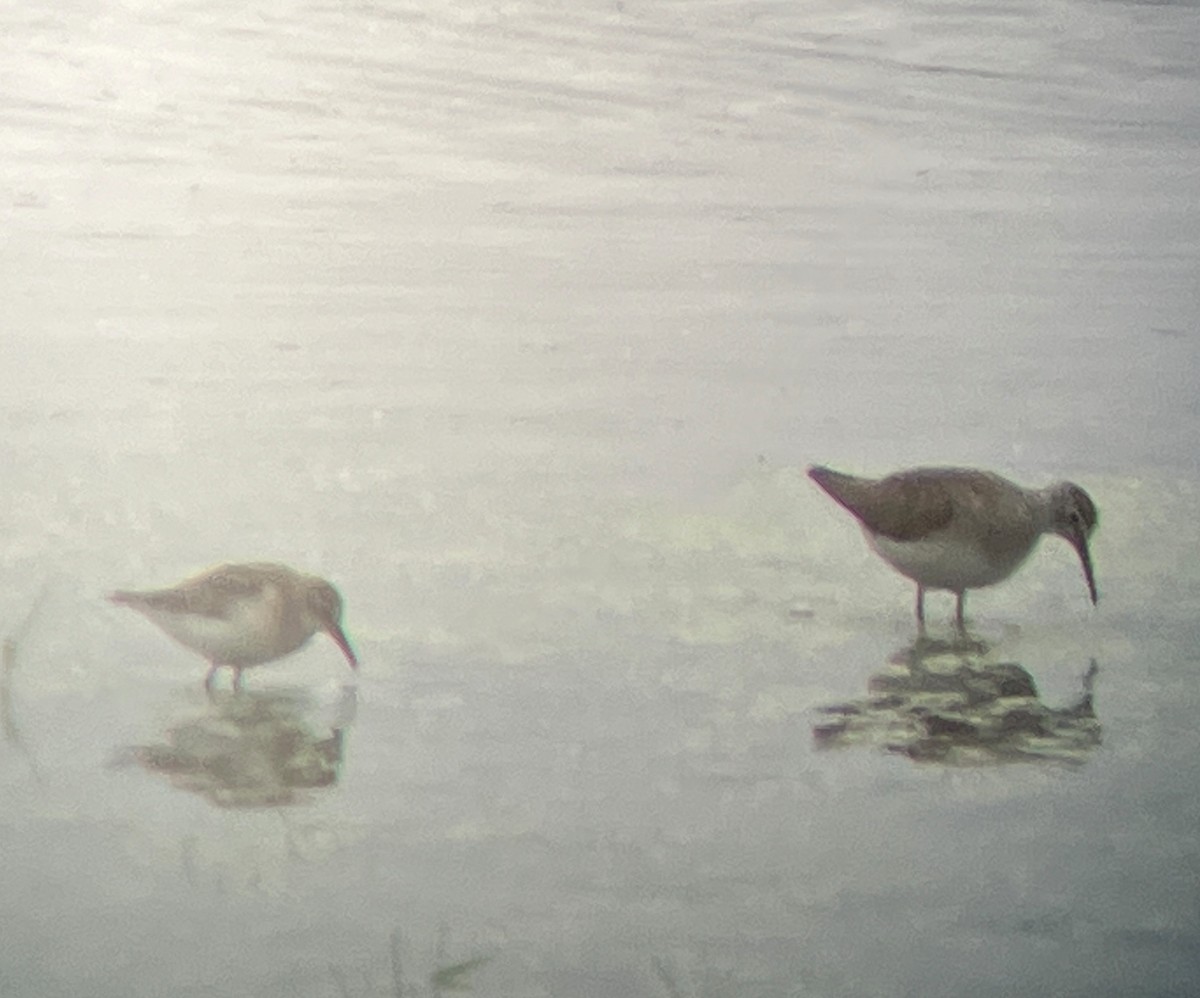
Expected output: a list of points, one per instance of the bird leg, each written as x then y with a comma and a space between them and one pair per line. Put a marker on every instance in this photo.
959, 619
212, 674
921, 608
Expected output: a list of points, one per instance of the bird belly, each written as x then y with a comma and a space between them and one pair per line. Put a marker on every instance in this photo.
944, 561
250, 636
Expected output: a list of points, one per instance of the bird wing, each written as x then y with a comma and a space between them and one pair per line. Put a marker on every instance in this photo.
211, 594
903, 507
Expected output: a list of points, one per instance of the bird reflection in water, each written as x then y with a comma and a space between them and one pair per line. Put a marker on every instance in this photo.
948, 702
253, 748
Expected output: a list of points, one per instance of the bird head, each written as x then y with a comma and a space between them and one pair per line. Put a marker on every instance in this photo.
1074, 520
325, 604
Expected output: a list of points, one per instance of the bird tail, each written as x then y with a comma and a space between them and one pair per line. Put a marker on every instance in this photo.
828, 479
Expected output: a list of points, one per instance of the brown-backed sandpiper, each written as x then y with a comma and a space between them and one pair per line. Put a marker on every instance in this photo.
958, 528
244, 615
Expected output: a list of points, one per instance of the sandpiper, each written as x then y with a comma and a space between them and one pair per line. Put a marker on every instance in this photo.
958, 528
244, 615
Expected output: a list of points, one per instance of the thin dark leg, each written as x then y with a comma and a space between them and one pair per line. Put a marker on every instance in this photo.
921, 609
212, 674
959, 617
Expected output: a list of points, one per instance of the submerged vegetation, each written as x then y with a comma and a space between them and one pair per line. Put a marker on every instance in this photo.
446, 976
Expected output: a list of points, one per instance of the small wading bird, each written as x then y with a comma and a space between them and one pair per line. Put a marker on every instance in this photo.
244, 615
960, 529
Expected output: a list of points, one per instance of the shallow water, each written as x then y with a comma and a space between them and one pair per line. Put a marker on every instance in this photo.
520, 324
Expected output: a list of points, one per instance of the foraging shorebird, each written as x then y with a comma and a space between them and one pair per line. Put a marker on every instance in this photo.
958, 528
244, 615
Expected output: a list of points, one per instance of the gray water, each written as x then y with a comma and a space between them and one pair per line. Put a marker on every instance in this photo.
520, 322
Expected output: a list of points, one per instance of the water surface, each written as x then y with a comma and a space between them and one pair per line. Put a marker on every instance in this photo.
520, 323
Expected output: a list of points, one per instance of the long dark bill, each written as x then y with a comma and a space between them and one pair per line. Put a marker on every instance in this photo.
1079, 542
339, 638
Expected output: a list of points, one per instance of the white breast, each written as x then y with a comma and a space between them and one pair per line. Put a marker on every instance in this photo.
945, 561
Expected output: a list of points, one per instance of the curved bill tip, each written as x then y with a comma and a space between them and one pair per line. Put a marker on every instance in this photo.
339, 639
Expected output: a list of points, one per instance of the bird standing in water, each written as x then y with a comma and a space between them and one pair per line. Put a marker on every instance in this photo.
958, 528
244, 615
